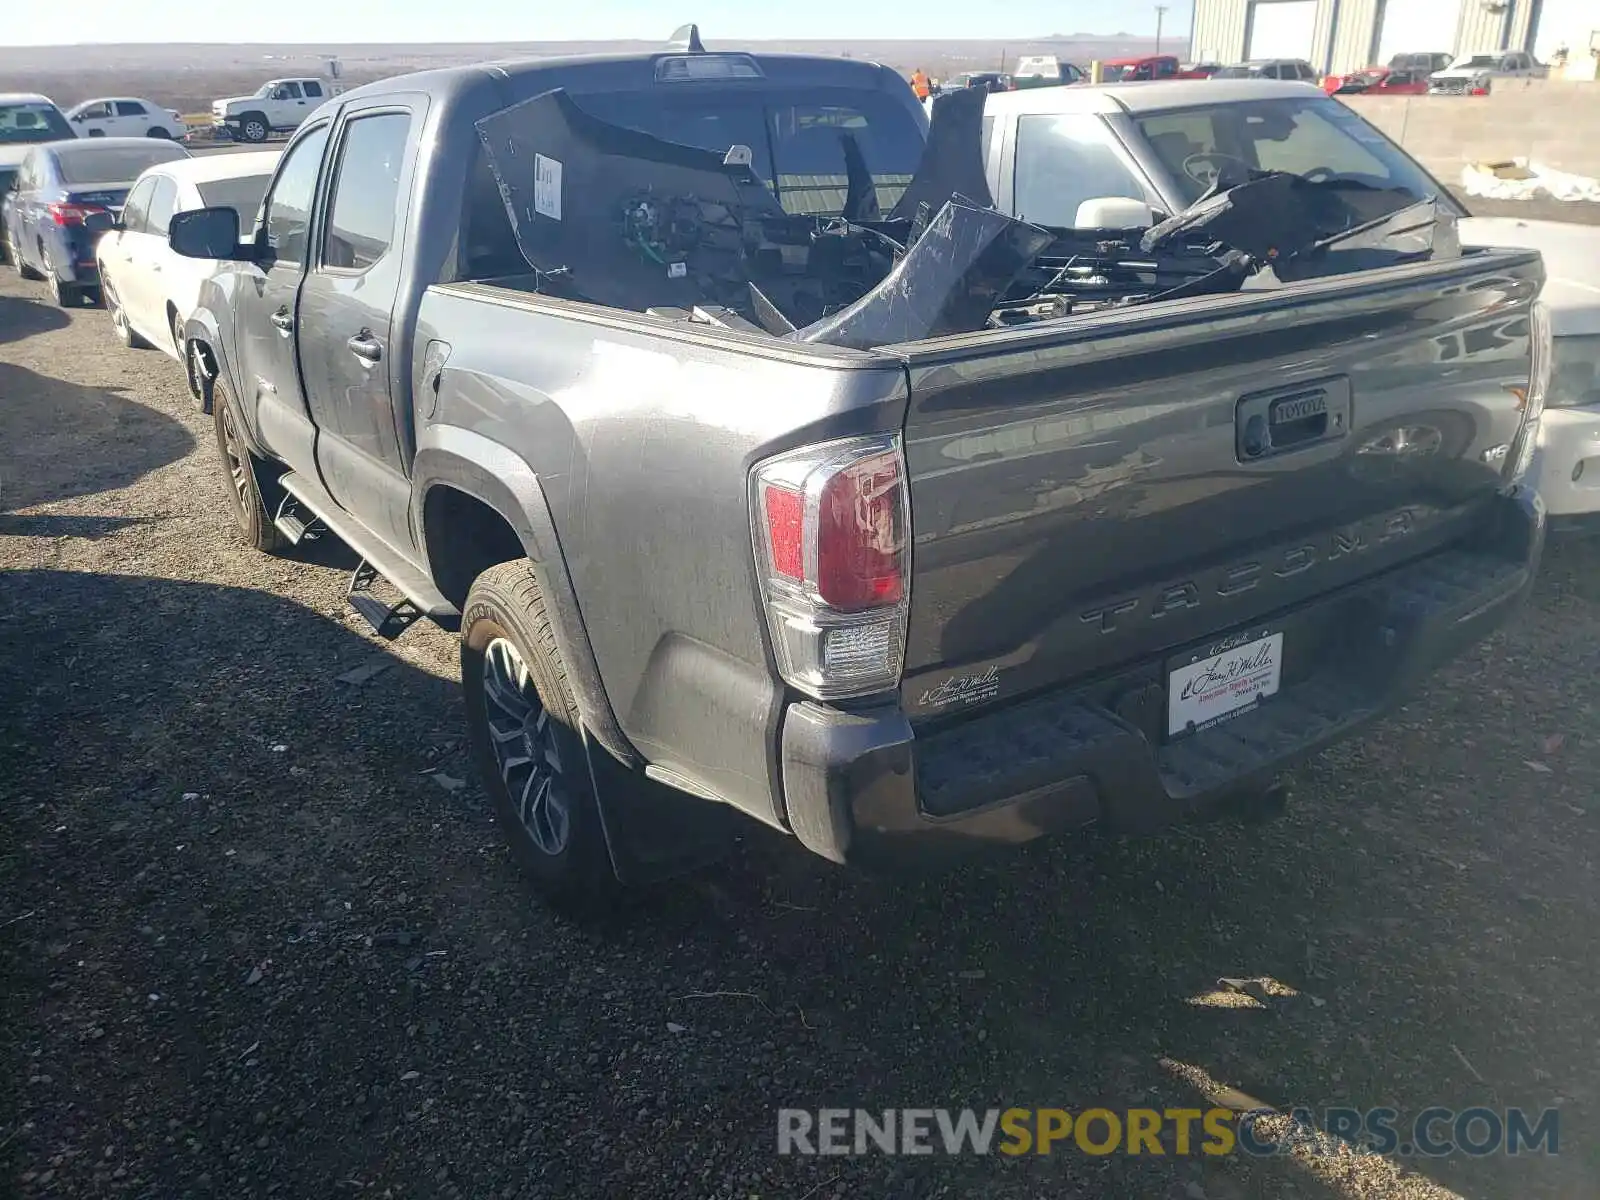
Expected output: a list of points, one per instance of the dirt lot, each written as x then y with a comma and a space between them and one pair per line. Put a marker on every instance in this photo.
249, 947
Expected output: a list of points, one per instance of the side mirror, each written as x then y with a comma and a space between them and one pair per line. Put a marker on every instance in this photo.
208, 233
100, 222
78, 119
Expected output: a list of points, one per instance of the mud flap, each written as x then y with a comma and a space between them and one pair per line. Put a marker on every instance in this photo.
653, 831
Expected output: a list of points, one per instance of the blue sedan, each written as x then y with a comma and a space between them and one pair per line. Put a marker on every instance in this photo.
66, 195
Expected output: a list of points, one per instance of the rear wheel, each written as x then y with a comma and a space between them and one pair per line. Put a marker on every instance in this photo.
120, 325
65, 295
248, 480
24, 271
523, 725
159, 132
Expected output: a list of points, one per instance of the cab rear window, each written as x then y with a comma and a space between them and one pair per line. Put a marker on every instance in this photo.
797, 139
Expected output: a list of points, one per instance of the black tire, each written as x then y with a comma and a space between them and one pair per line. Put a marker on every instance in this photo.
254, 127
65, 295
24, 271
158, 132
124, 332
572, 872
249, 483
175, 324
5, 250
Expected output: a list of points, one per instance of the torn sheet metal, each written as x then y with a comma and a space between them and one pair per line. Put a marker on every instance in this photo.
949, 281
952, 159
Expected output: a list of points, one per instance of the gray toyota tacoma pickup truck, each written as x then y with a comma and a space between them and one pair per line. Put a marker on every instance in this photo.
765, 464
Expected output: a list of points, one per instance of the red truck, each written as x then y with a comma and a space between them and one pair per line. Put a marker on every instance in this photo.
1149, 66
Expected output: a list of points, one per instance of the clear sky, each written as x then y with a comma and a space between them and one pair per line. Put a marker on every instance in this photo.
31, 23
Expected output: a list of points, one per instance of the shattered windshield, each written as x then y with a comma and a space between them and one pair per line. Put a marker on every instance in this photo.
797, 140
1316, 138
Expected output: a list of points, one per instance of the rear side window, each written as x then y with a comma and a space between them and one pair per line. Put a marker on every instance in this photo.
366, 191
313, 89
289, 208
162, 204
130, 108
1062, 161
136, 205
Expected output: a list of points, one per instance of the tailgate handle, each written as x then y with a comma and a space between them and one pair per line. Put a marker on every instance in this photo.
1288, 419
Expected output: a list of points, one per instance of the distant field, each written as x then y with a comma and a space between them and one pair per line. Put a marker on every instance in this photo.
189, 78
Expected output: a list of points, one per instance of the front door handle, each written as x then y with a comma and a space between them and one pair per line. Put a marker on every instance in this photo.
366, 347
283, 320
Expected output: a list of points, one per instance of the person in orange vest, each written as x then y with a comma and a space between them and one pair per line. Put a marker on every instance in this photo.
920, 84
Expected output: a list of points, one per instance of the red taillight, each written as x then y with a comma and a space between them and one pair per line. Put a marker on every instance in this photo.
860, 538
73, 214
832, 544
786, 518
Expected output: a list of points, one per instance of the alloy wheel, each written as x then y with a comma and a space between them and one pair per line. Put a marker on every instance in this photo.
527, 755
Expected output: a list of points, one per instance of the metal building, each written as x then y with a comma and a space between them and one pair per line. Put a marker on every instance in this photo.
1343, 35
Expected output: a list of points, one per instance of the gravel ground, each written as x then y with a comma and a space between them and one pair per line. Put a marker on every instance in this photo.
249, 946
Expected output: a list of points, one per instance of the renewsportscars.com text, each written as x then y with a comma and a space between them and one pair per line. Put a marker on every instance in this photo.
1435, 1132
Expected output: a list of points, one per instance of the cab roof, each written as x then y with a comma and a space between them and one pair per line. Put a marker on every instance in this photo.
1146, 95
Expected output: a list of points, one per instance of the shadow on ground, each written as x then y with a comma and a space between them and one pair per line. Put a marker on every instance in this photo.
253, 939
59, 440
22, 318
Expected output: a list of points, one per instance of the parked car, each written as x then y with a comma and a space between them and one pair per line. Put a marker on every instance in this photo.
150, 291
1377, 81
1145, 66
1472, 74
26, 119
1269, 68
505, 334
1427, 62
122, 116
1045, 70
278, 106
992, 81
69, 193
1566, 461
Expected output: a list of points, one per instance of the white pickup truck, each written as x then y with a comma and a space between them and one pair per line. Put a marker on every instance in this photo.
278, 106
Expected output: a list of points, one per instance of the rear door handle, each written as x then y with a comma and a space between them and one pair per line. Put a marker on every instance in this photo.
283, 320
366, 347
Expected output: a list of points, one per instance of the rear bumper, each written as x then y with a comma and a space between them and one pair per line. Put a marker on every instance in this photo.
863, 786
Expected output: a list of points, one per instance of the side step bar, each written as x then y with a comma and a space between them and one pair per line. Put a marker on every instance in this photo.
296, 524
378, 560
388, 621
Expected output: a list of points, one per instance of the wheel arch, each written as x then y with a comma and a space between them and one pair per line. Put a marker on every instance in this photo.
475, 504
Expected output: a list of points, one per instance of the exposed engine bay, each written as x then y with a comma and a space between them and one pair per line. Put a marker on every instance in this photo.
617, 217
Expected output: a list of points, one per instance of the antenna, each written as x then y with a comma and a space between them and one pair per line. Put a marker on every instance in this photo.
686, 39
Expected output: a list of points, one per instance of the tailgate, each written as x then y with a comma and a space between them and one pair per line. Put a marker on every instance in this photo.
1096, 491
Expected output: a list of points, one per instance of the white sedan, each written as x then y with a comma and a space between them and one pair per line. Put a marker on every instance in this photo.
126, 116
1566, 465
149, 290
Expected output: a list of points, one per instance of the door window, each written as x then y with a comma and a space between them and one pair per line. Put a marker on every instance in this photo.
288, 208
287, 91
96, 112
366, 191
136, 205
313, 89
130, 108
1063, 161
162, 204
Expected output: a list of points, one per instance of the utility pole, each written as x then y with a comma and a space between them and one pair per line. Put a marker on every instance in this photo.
1161, 12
